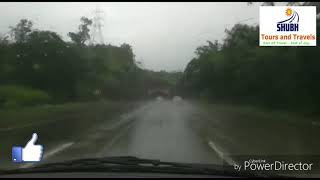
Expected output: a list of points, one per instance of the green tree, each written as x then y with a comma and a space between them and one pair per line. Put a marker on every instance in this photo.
239, 70
21, 31
82, 35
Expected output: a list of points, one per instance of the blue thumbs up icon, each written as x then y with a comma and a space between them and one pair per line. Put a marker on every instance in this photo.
30, 153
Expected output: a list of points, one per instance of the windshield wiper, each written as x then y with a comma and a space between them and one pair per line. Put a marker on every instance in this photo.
133, 164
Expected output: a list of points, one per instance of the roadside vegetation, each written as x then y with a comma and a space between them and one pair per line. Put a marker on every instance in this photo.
40, 67
239, 71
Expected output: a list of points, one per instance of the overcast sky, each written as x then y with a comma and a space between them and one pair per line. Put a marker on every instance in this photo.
163, 35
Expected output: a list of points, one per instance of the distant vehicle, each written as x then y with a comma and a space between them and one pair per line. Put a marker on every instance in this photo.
159, 98
177, 99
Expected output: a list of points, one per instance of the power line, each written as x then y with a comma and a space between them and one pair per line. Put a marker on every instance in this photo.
226, 26
245, 20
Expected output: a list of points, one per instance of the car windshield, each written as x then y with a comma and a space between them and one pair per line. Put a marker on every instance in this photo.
201, 83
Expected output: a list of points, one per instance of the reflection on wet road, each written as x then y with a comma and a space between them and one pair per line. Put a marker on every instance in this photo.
162, 131
185, 131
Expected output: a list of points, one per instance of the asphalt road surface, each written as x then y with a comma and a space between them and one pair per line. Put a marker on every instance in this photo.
159, 129
163, 131
177, 130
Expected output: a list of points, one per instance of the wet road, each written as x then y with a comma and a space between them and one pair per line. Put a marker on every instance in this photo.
184, 131
162, 130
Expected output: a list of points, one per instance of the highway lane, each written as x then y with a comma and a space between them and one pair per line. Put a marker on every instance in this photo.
163, 131
158, 129
185, 131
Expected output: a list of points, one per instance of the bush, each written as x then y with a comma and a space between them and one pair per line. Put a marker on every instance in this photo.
12, 96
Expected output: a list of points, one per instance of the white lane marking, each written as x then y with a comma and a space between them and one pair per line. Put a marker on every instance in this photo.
220, 153
115, 139
125, 118
315, 123
51, 153
58, 149
6, 129
16, 127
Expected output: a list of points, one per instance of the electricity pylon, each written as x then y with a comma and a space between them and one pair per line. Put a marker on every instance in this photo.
96, 32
